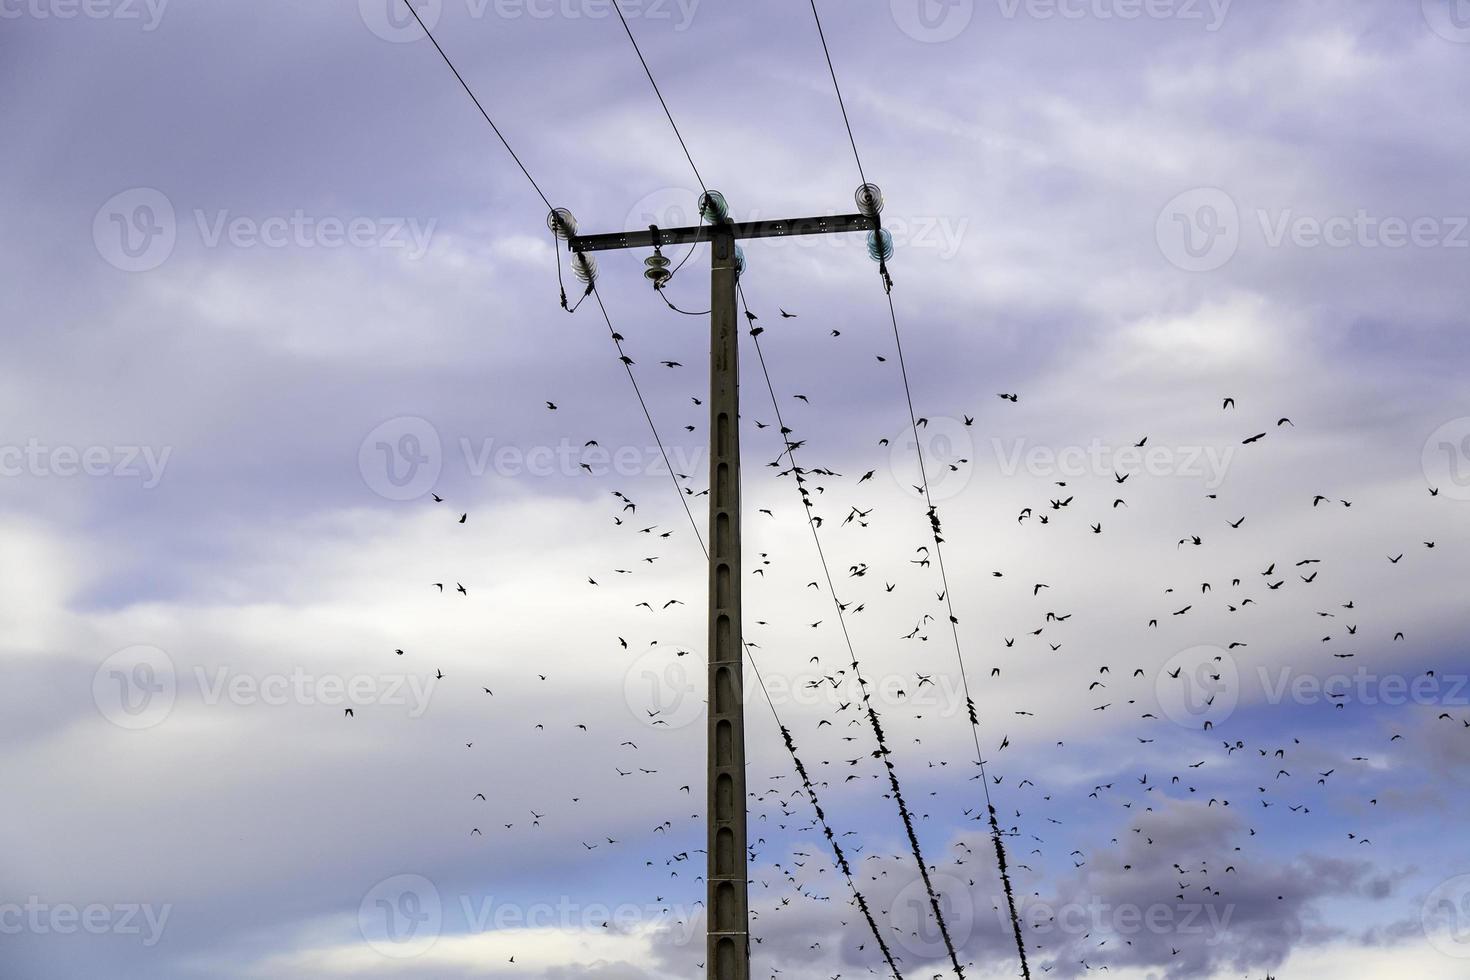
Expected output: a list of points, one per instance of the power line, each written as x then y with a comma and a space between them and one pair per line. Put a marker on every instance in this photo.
840, 103
933, 515
872, 717
903, 810
841, 858
790, 746
592, 288
647, 71
789, 451
476, 101
627, 363
801, 772
653, 428
663, 453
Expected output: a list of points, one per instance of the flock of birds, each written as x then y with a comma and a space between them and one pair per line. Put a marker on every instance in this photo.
1049, 830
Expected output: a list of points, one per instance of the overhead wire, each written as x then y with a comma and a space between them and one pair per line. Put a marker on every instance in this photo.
932, 514
790, 745
663, 452
841, 860
591, 286
789, 451
649, 72
470, 92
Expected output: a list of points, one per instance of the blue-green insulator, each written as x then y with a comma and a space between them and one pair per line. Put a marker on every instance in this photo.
880, 245
712, 207
739, 260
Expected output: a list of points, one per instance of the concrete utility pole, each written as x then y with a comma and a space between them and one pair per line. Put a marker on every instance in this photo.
727, 909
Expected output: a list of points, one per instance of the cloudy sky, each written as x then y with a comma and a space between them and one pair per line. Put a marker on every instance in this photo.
272, 284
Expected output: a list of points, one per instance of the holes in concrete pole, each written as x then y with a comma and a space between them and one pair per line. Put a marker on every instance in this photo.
726, 960
722, 586
722, 486
726, 912
724, 795
724, 650
724, 744
725, 697
724, 851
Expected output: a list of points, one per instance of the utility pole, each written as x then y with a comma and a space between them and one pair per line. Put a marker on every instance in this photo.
727, 906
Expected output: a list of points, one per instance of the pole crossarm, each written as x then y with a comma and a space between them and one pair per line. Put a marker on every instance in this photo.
781, 228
